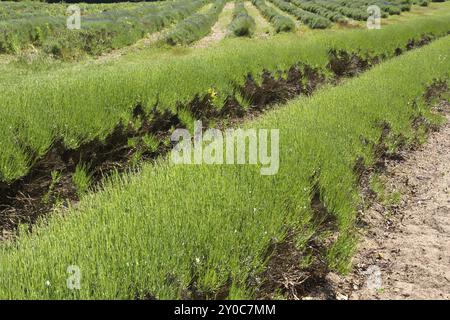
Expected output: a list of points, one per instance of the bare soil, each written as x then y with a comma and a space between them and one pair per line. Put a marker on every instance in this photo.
410, 242
220, 29
404, 251
404, 228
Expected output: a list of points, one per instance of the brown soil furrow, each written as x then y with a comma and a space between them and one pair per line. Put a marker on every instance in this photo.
22, 200
409, 243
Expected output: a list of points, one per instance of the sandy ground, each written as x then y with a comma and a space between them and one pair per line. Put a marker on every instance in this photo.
405, 248
263, 27
220, 28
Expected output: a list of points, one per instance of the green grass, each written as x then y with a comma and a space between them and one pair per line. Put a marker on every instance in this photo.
377, 185
155, 231
29, 9
81, 179
313, 20
350, 12
196, 26
117, 27
263, 26
242, 24
429, 10
82, 101
280, 22
334, 16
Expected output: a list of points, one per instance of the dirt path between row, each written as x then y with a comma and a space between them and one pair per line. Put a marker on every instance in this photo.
220, 29
405, 248
263, 27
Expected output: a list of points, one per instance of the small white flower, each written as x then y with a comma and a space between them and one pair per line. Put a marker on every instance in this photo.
197, 260
47, 283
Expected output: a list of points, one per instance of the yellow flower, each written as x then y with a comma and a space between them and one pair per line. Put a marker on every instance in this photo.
212, 92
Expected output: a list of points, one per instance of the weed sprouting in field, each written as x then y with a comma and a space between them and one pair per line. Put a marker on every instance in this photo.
82, 179
151, 142
56, 177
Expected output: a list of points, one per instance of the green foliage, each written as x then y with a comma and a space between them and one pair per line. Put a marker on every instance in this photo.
280, 22
56, 177
196, 26
242, 24
158, 231
311, 19
422, 3
378, 186
83, 103
82, 179
321, 11
357, 13
387, 7
151, 142
116, 27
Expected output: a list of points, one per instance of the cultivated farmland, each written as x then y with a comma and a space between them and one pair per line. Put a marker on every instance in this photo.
92, 95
